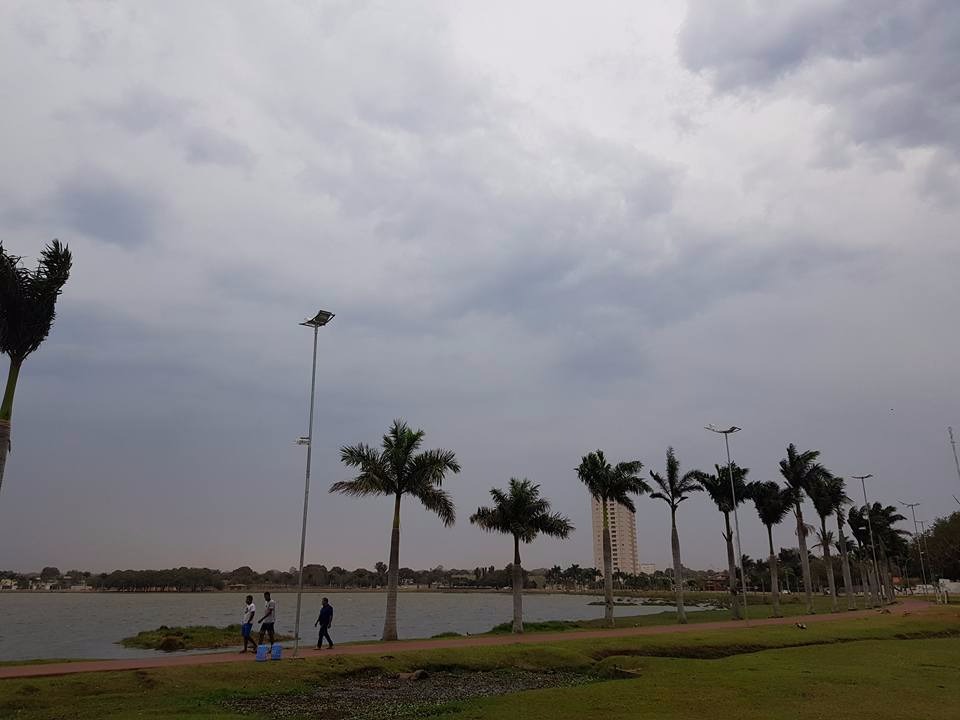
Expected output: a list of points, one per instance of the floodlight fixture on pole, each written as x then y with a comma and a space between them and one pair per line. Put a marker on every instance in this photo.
866, 507
733, 495
316, 322
319, 320
916, 538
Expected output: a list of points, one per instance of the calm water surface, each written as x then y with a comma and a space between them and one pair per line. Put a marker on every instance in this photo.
88, 625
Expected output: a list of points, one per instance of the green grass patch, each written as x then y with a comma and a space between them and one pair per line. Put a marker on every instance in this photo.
868, 678
756, 609
190, 637
546, 626
883, 665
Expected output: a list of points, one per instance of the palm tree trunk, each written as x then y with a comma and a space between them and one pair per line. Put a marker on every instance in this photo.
804, 558
845, 564
731, 571
517, 587
886, 576
677, 567
865, 586
872, 582
6, 414
774, 575
607, 570
828, 561
393, 573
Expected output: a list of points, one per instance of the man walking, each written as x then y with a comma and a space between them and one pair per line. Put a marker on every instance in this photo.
269, 618
325, 620
246, 624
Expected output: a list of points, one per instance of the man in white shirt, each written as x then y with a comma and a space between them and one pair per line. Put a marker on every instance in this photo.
269, 618
246, 624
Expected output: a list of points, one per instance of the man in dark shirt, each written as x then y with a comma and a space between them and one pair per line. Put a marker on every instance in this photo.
325, 620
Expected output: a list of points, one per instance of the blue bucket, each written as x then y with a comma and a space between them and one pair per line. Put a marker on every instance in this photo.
276, 651
262, 651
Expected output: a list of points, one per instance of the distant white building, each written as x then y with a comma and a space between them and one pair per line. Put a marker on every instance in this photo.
623, 537
648, 568
950, 586
8, 584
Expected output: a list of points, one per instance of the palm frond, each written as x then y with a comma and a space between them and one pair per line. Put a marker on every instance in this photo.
431, 466
521, 511
28, 298
608, 482
553, 524
674, 488
771, 501
361, 486
437, 501
489, 519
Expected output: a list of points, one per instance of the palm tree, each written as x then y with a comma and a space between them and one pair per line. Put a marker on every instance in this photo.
819, 489
800, 469
674, 489
522, 513
398, 470
773, 503
890, 540
837, 492
28, 302
718, 488
606, 484
857, 520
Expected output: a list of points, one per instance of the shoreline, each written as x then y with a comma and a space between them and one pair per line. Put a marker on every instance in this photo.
399, 646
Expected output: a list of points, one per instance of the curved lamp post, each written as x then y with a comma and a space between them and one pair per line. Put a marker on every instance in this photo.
733, 494
873, 548
316, 322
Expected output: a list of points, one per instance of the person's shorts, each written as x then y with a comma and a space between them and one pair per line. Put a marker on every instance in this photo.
246, 629
267, 628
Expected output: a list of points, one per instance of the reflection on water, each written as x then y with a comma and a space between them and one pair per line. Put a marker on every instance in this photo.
88, 625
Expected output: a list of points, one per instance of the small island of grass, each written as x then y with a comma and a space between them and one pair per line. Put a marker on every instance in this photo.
191, 637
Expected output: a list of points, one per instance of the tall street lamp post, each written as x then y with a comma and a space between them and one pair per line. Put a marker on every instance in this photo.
316, 322
866, 507
733, 495
916, 537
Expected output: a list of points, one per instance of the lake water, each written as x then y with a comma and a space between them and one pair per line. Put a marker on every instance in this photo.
88, 625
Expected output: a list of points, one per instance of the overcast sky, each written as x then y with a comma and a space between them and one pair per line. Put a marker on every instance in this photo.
544, 228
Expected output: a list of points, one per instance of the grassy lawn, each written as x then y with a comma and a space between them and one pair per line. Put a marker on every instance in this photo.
876, 679
190, 637
789, 607
883, 665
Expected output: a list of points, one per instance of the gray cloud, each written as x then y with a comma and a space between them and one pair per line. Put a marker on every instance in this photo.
141, 110
105, 208
886, 69
525, 258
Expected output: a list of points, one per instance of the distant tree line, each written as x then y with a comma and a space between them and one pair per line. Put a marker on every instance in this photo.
192, 579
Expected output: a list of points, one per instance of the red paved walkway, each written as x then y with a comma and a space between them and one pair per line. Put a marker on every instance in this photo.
382, 648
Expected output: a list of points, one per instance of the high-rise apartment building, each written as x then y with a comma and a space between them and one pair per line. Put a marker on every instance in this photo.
623, 537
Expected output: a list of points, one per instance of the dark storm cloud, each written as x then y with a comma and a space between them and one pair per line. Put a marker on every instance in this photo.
546, 291
106, 208
888, 68
205, 145
142, 110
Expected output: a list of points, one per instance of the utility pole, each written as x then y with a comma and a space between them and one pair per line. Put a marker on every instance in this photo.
953, 444
917, 538
736, 520
873, 549
316, 322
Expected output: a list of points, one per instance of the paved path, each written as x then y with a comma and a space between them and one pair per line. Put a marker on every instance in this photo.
385, 648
